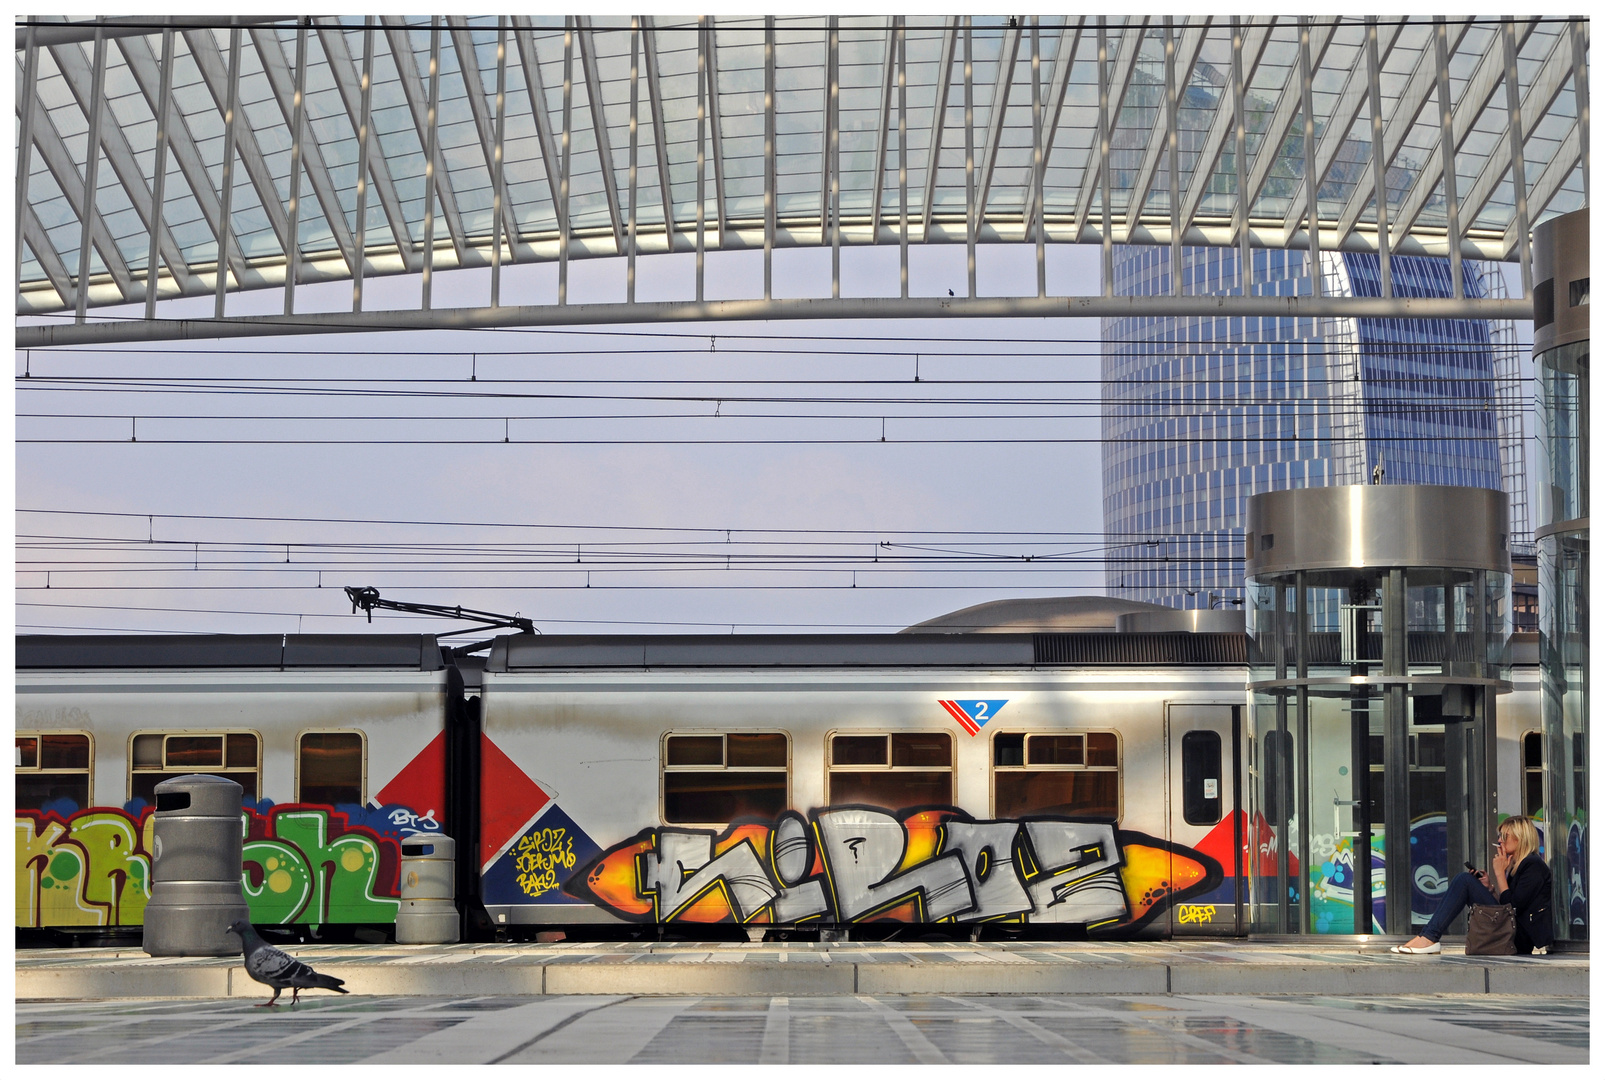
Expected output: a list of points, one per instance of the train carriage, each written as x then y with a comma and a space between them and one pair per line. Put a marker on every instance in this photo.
955, 779
337, 742
1088, 782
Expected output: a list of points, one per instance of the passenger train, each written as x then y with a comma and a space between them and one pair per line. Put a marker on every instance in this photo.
1080, 782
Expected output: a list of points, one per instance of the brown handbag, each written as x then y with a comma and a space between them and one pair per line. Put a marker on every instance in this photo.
1491, 930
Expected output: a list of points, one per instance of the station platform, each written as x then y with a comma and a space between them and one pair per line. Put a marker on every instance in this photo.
802, 969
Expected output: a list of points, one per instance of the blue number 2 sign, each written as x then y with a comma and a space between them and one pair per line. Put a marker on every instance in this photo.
973, 713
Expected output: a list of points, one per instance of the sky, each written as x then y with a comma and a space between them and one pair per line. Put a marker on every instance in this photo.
694, 478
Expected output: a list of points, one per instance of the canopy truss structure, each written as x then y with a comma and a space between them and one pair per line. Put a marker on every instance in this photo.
178, 157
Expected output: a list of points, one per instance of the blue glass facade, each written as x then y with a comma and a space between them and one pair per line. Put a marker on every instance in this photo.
1201, 413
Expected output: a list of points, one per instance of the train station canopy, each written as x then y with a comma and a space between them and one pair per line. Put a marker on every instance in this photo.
210, 157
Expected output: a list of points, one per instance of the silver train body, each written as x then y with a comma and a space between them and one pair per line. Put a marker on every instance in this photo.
1080, 780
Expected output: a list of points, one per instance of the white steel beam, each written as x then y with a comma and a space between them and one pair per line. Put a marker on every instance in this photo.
604, 146
417, 97
155, 224
1468, 109
685, 311
485, 119
1549, 182
1446, 155
1224, 123
654, 98
363, 126
1111, 95
356, 87
27, 101
1288, 104
209, 61
1336, 134
1180, 60
1106, 237
1412, 99
883, 130
286, 89
1579, 36
523, 34
1541, 94
58, 160
944, 82
716, 126
90, 215
1373, 65
1517, 160
120, 155
1064, 60
432, 168
33, 233
995, 118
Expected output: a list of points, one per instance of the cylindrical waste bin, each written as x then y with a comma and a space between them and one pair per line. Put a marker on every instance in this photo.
195, 868
428, 914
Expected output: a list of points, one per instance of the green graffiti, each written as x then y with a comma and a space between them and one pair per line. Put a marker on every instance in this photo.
64, 866
344, 871
94, 869
286, 881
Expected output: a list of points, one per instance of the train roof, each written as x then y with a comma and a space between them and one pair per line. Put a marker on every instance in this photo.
407, 652
528, 652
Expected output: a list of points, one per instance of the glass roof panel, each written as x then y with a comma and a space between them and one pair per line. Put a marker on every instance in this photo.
1001, 130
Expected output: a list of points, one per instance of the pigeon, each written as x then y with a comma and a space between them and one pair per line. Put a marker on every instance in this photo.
270, 967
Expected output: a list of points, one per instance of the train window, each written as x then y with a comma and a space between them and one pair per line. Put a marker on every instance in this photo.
1200, 777
1070, 774
159, 755
892, 771
713, 779
51, 767
330, 767
1532, 773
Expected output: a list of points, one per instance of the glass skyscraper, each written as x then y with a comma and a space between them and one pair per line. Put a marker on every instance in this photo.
1201, 413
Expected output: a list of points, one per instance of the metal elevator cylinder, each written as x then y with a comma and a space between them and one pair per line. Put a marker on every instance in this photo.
1379, 623
195, 868
428, 914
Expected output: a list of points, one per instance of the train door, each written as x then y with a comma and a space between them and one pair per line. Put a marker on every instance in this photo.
1203, 822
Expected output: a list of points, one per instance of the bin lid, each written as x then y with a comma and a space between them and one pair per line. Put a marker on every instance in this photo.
429, 846
199, 795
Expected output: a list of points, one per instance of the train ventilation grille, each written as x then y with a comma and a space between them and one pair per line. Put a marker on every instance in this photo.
1178, 648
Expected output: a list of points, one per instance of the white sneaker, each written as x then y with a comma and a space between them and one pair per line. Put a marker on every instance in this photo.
1541, 950
1423, 950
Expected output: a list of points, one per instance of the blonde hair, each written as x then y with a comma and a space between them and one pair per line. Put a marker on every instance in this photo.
1526, 835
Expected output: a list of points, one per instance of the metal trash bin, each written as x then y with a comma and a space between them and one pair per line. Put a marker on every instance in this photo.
428, 914
195, 868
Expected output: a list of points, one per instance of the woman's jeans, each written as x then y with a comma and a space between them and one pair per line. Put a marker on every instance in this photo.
1462, 892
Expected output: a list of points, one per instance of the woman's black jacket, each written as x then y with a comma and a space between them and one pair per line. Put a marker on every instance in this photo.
1529, 890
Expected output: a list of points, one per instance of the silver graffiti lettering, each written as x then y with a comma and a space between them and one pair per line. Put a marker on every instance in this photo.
862, 849
682, 870
987, 849
1078, 872
801, 897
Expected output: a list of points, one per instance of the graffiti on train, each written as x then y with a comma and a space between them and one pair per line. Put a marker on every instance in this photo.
302, 864
858, 864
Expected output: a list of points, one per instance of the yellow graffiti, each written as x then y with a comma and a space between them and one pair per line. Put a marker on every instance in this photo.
89, 873
538, 858
1194, 913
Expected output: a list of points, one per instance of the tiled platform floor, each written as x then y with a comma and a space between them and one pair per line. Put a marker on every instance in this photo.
859, 1029
805, 969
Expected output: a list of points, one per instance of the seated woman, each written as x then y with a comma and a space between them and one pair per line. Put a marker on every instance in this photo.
1520, 878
